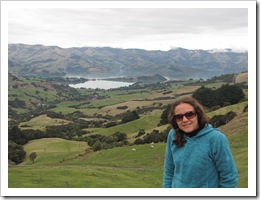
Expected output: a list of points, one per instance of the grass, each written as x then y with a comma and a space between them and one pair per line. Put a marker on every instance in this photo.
83, 177
62, 163
53, 151
40, 122
238, 108
117, 167
237, 134
145, 122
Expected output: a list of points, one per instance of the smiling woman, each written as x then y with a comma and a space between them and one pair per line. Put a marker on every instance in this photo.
197, 155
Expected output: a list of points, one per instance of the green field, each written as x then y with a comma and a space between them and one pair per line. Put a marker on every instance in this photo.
59, 161
64, 163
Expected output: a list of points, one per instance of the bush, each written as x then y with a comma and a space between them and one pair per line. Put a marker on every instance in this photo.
97, 146
98, 142
139, 141
130, 116
219, 120
110, 124
140, 133
164, 116
223, 96
33, 156
122, 107
16, 152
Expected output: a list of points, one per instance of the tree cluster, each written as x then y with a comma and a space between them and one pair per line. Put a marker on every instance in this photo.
130, 116
225, 95
219, 120
155, 136
16, 152
98, 142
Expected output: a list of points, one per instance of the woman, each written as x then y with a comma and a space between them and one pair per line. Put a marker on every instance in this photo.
197, 155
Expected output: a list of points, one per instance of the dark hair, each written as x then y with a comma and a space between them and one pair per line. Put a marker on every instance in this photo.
202, 117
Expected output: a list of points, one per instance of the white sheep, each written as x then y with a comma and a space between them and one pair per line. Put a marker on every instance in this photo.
133, 149
152, 146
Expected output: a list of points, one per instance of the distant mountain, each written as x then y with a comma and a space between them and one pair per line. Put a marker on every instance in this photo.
94, 62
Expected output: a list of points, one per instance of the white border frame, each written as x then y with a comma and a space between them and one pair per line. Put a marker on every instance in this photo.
131, 192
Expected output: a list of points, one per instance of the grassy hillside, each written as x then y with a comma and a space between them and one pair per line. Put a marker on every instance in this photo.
118, 167
53, 151
63, 163
40, 122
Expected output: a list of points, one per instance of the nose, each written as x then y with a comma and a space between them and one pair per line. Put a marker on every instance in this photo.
185, 118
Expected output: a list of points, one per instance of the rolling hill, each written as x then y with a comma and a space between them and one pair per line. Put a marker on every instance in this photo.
61, 163
71, 163
47, 61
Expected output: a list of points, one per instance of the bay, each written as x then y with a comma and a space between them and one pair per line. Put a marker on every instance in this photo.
101, 84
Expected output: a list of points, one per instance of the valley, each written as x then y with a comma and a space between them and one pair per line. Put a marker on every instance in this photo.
58, 122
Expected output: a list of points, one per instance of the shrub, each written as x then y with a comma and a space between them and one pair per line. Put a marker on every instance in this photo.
110, 124
16, 152
219, 120
122, 107
140, 133
223, 96
139, 141
130, 116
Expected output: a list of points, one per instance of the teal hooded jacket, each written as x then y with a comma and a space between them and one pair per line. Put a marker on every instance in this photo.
205, 161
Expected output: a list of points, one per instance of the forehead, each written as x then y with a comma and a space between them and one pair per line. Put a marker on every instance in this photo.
183, 108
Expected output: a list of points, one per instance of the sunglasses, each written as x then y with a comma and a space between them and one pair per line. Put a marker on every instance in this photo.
188, 115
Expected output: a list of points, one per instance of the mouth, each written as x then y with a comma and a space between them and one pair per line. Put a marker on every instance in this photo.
186, 125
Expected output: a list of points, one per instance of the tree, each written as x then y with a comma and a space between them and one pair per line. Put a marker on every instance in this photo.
225, 95
230, 93
219, 120
130, 116
139, 141
205, 96
32, 156
164, 116
119, 136
97, 146
16, 135
16, 152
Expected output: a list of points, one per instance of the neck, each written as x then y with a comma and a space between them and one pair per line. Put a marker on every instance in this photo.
193, 133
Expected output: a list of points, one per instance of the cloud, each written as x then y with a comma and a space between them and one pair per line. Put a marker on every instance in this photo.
147, 28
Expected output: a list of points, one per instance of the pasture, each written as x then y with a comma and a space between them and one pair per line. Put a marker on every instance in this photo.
65, 163
62, 163
113, 168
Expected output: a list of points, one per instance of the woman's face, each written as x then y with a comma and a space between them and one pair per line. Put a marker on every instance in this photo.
186, 125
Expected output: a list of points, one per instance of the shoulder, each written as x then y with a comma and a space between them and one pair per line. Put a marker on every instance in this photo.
214, 133
217, 137
171, 134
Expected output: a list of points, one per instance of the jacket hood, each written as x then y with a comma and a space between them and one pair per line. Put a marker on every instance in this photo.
207, 129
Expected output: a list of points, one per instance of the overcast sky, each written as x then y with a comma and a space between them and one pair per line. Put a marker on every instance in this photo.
143, 28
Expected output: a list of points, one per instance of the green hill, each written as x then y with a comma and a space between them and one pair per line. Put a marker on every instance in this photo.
47, 61
63, 163
37, 105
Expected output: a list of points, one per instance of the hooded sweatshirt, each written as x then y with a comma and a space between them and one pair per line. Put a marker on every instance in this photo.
205, 161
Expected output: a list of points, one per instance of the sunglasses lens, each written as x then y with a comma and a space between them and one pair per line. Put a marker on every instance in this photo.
178, 117
188, 115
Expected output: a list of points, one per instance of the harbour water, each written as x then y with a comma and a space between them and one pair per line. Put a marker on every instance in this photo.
101, 84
